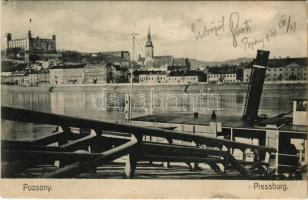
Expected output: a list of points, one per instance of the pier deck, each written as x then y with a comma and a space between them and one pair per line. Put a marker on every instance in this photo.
83, 146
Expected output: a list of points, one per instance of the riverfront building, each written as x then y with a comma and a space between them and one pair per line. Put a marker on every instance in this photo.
13, 78
282, 70
173, 77
218, 78
228, 74
86, 74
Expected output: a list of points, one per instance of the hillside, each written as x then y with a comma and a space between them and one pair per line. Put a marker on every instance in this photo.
198, 63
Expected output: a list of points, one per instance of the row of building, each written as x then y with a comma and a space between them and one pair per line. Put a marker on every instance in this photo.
157, 70
68, 74
285, 70
25, 78
282, 69
171, 77
48, 66
279, 70
88, 74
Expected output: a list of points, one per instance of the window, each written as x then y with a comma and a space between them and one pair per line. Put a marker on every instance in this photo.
301, 106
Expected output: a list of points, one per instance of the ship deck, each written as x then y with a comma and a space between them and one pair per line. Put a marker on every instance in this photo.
228, 121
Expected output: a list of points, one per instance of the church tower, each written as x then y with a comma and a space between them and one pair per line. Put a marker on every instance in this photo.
149, 51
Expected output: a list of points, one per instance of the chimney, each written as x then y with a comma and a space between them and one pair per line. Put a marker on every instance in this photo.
29, 34
54, 37
255, 86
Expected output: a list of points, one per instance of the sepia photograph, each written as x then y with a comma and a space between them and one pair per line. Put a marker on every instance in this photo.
163, 92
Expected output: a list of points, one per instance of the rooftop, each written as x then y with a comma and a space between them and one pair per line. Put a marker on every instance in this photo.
69, 66
162, 60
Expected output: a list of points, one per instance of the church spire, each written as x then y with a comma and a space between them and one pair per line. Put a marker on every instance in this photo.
149, 33
149, 41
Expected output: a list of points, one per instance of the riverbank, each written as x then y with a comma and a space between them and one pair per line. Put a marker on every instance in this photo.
236, 87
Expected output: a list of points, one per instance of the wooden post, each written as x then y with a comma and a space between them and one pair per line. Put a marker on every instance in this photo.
194, 165
151, 102
127, 108
64, 139
61, 141
277, 154
130, 165
167, 164
306, 156
131, 161
244, 154
231, 138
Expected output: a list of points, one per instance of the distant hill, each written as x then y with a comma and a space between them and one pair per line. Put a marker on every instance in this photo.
202, 64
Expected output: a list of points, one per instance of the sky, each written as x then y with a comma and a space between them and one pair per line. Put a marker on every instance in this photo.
232, 29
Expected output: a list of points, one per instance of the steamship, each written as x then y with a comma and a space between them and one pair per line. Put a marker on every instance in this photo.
286, 133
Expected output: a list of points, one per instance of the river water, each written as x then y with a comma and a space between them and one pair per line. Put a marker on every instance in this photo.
108, 105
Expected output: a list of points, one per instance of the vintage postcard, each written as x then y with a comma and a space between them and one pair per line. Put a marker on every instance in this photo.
154, 99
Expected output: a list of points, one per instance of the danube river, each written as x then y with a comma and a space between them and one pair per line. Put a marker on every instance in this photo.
109, 105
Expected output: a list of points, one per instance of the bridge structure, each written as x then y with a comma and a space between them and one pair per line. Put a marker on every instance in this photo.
80, 145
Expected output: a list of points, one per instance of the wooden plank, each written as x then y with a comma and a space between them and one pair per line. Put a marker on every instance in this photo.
14, 142
237, 165
55, 119
167, 158
37, 156
12, 169
48, 139
253, 163
79, 167
55, 137
215, 167
26, 145
77, 144
178, 150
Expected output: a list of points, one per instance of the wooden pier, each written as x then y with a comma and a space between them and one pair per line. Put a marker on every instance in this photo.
84, 147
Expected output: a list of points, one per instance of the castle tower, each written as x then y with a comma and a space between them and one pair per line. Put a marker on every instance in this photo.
29, 34
149, 51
